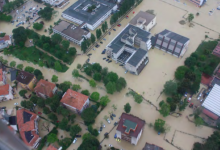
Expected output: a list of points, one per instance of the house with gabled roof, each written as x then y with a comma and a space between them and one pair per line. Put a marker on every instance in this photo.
6, 93
28, 127
52, 147
26, 80
75, 101
130, 128
45, 89
6, 40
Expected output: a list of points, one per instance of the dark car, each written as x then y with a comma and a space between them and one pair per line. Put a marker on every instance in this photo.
89, 54
107, 59
109, 33
121, 65
114, 29
101, 42
103, 52
97, 46
108, 56
78, 135
104, 58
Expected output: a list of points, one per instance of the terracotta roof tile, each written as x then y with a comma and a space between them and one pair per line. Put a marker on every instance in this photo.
4, 90
1, 75
45, 88
140, 124
51, 147
74, 99
29, 125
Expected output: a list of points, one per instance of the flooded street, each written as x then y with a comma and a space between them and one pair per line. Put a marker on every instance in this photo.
149, 83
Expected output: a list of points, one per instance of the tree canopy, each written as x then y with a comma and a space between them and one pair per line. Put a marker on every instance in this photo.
37, 26
46, 13
29, 69
159, 125
95, 96
75, 129
89, 143
104, 100
54, 78
19, 36
85, 92
51, 138
165, 109
170, 87
88, 115
127, 107
92, 83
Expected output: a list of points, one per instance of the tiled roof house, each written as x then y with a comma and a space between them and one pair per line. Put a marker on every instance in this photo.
26, 80
5, 93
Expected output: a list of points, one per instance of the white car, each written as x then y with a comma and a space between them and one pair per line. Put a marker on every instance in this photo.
110, 145
108, 121
103, 125
15, 104
74, 141
201, 100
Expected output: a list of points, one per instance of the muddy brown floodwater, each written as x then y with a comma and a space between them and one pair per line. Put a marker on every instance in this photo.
149, 83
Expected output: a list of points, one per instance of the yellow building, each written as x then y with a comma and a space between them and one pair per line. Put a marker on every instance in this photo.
26, 80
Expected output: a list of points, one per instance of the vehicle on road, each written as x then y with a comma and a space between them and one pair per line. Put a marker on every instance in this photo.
118, 25
104, 39
101, 42
191, 105
103, 58
108, 121
109, 33
15, 104
97, 46
189, 99
74, 141
78, 135
126, 71
107, 59
114, 29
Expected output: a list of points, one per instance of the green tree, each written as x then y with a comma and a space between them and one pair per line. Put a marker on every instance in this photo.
34, 99
19, 36
165, 110
104, 71
98, 33
199, 121
86, 135
127, 107
93, 131
138, 98
20, 66
56, 38
85, 92
41, 103
27, 104
75, 73
46, 110
52, 117
93, 38
103, 28
97, 76
96, 67
180, 72
110, 87
121, 83
95, 96
65, 143
104, 100
170, 87
89, 143
159, 125
22, 93
38, 74
88, 115
37, 26
182, 105
52, 138
72, 51
65, 112
63, 124
54, 78
76, 87
92, 83
65, 44
75, 129
88, 70
57, 66
29, 69
79, 66
190, 17
65, 86
12, 64
46, 13
72, 117
190, 61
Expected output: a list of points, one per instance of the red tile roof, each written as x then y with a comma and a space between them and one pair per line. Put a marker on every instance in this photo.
140, 124
210, 114
51, 147
5, 38
27, 126
4, 90
74, 99
216, 51
45, 88
1, 75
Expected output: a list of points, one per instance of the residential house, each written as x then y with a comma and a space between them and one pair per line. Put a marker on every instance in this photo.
26, 80
52, 147
5, 41
198, 3
45, 89
144, 20
216, 51
75, 101
172, 43
130, 128
129, 48
28, 127
6, 93
2, 77
73, 33
151, 147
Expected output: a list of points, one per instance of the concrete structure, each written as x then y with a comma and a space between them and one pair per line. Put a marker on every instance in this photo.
212, 103
172, 43
5, 41
26, 80
6, 93
53, 2
74, 101
73, 33
151, 147
123, 48
45, 89
130, 128
90, 13
198, 3
144, 20
2, 77
216, 51
28, 127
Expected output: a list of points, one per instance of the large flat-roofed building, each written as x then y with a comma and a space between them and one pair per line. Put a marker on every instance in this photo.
144, 20
172, 43
130, 48
212, 103
91, 13
53, 2
198, 2
71, 32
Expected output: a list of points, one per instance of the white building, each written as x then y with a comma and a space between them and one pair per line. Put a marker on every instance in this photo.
73, 33
6, 93
144, 20
90, 13
198, 2
53, 2
74, 101
130, 128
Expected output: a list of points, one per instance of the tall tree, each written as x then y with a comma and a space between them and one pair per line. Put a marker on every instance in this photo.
110, 87
46, 13
104, 100
75, 73
75, 129
57, 66
63, 124
84, 46
12, 64
127, 107
92, 83
85, 92
56, 38
88, 115
165, 109
54, 78
52, 138
72, 51
95, 96
19, 35
159, 125
93, 38
170, 87
65, 44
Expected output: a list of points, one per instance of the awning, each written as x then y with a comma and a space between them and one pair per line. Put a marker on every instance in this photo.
210, 114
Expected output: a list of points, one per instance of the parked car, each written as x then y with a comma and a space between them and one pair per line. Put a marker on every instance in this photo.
191, 105
189, 99
89, 54
201, 100
114, 29
108, 121
119, 25
101, 42
103, 58
74, 141
97, 46
103, 125
107, 59
121, 65
78, 135
15, 104
104, 39
126, 71
109, 33
185, 94
113, 115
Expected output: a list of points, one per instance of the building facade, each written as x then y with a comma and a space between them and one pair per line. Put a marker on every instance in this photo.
6, 93
26, 80
90, 13
144, 20
53, 2
198, 3
45, 89
172, 43
130, 128
123, 48
75, 34
216, 51
74, 101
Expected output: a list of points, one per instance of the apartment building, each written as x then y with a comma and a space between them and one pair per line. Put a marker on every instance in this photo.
129, 48
172, 43
130, 128
71, 32
90, 13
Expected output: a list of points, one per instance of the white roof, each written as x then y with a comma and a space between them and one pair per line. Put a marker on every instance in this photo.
212, 102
